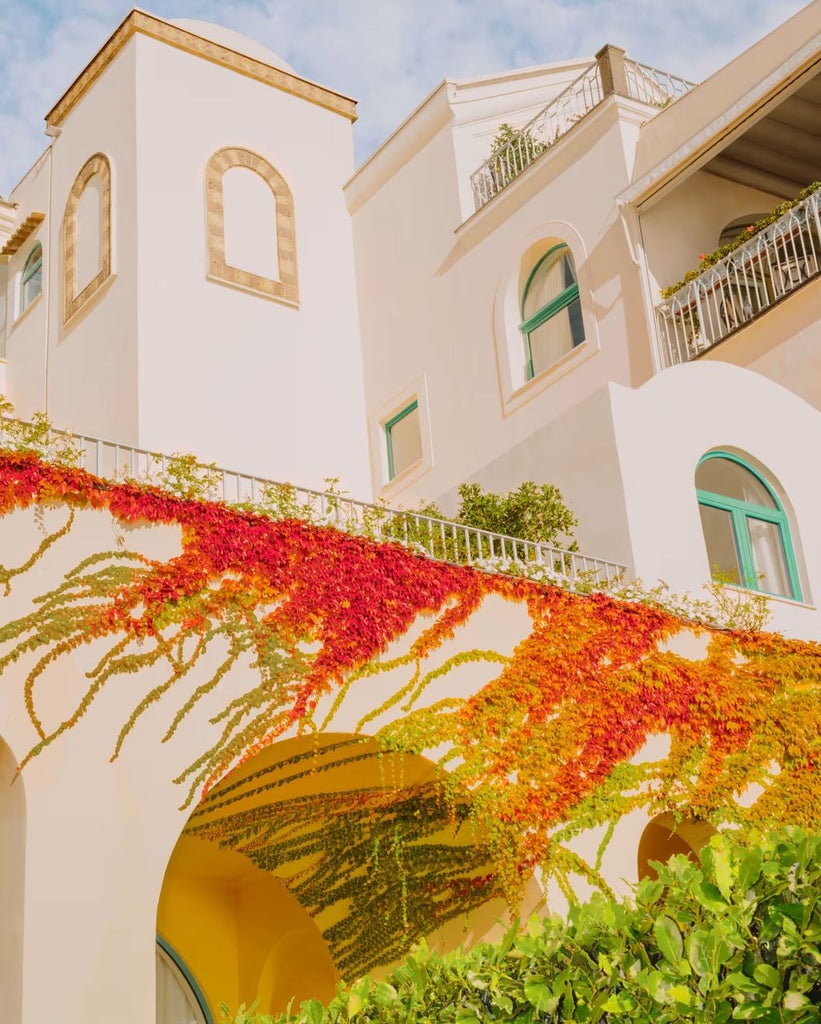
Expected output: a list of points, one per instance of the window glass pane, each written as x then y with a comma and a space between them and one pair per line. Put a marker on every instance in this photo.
551, 278
768, 557
32, 281
405, 441
722, 476
719, 537
176, 1003
550, 340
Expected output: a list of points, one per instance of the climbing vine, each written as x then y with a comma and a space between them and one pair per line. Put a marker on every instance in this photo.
549, 748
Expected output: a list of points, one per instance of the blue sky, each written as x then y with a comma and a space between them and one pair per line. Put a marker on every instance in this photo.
387, 54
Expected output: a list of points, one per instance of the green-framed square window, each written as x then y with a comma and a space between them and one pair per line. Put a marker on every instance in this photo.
403, 439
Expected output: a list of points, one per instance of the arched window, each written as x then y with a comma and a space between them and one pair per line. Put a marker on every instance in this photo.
737, 227
31, 281
179, 997
551, 310
87, 235
745, 527
238, 215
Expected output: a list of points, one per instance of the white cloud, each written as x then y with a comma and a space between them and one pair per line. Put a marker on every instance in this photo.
388, 54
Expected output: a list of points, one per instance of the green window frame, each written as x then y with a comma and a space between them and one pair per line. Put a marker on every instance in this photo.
564, 299
742, 513
389, 444
31, 280
191, 981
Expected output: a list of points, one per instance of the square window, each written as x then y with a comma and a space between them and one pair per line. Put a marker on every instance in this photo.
403, 438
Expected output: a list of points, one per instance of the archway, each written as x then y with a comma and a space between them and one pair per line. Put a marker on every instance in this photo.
321, 856
12, 888
665, 836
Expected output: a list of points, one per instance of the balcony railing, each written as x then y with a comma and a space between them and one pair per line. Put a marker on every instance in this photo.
744, 284
439, 539
649, 85
585, 93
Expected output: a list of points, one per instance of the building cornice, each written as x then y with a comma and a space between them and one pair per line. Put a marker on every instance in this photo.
180, 38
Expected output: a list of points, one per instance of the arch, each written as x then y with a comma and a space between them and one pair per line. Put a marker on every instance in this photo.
285, 288
746, 529
551, 316
74, 299
293, 871
666, 835
31, 279
731, 231
12, 887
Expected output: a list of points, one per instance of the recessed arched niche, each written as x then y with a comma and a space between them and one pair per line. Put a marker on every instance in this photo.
665, 836
251, 227
87, 235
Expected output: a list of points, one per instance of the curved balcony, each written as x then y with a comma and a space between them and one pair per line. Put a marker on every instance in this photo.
742, 286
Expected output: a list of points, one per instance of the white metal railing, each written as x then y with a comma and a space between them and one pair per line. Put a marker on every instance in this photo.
646, 84
550, 124
650, 85
745, 283
439, 539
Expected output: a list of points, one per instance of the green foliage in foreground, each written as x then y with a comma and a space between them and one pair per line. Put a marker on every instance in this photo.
737, 939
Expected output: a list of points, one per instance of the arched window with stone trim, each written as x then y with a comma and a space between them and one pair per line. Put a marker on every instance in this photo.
251, 231
87, 235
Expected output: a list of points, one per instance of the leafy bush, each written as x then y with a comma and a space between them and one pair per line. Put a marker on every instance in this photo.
734, 939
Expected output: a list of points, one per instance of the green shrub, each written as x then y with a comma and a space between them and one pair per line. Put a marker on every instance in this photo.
734, 939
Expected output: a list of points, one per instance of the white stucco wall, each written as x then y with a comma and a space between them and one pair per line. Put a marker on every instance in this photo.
457, 342
249, 382
92, 360
26, 333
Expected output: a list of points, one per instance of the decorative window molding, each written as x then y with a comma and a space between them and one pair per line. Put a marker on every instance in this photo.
551, 311
400, 440
286, 288
517, 263
72, 301
746, 530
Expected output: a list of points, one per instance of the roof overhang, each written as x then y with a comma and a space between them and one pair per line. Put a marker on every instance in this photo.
757, 121
26, 228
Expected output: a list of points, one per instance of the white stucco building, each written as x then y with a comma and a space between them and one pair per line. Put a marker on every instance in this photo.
194, 264
394, 334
